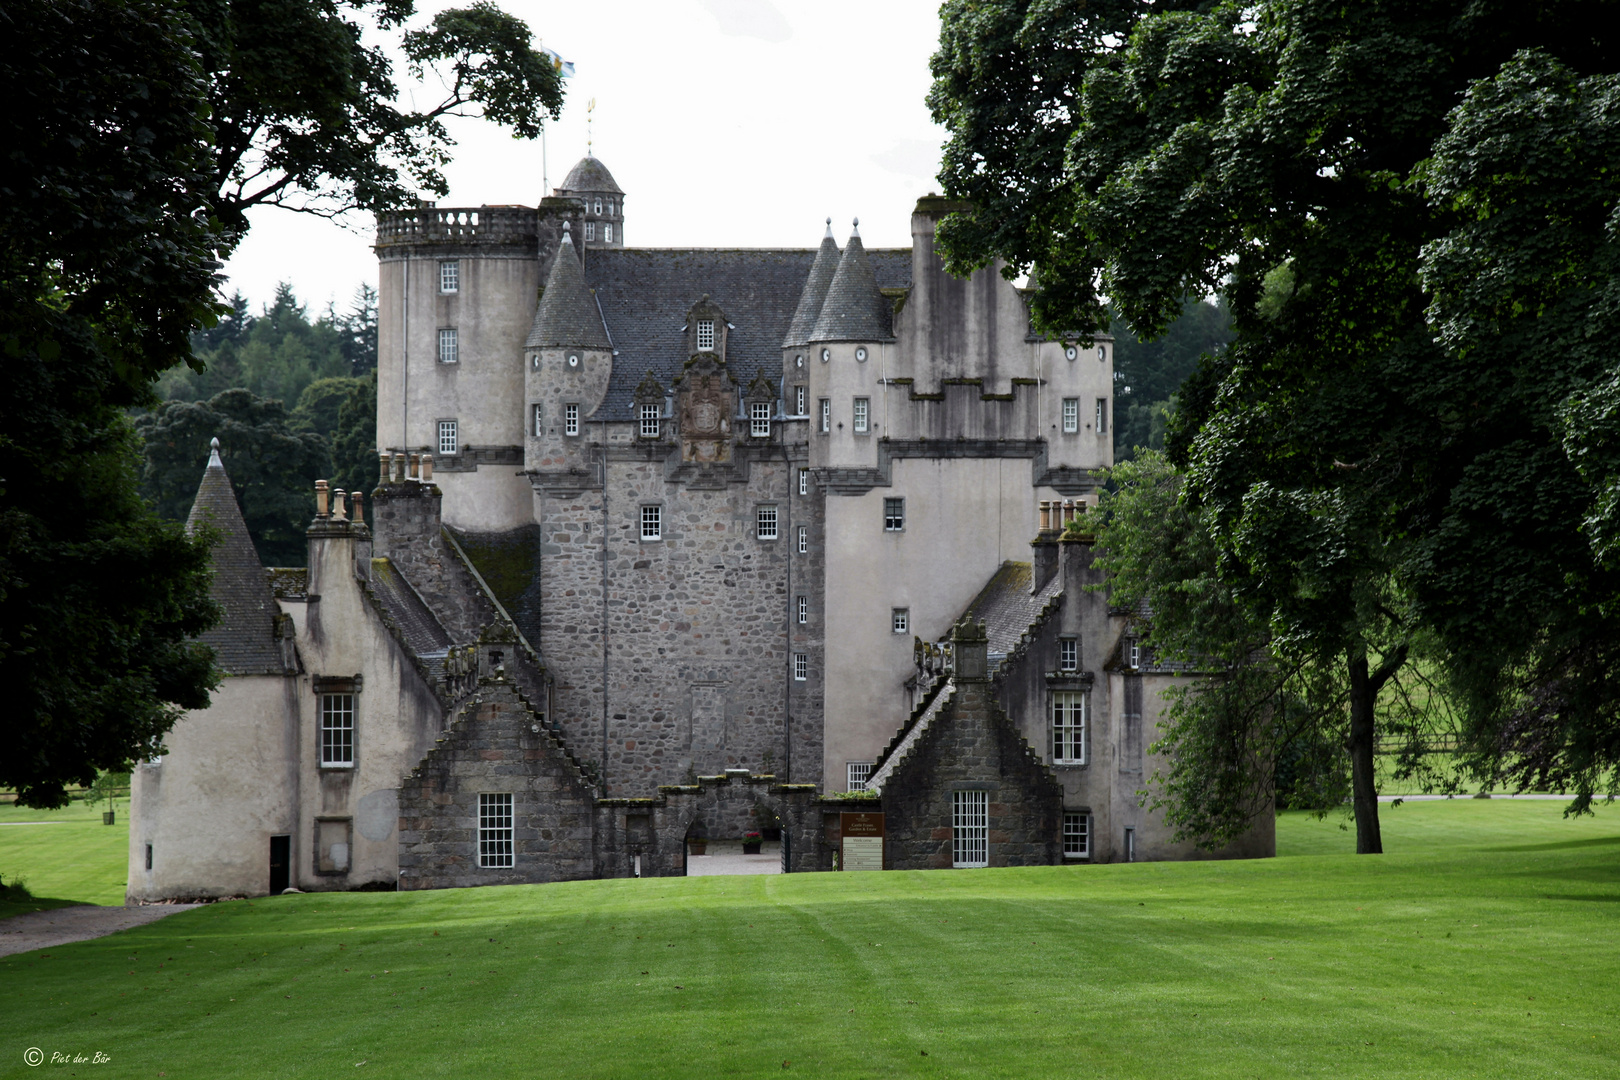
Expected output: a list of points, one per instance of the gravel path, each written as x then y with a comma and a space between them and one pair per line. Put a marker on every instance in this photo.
62, 926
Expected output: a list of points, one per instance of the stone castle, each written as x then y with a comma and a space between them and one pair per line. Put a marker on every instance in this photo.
670, 544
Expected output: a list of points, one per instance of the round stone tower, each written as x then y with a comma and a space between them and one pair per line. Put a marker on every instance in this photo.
593, 185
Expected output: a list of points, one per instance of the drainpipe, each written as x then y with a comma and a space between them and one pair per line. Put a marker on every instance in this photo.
405, 348
604, 777
787, 669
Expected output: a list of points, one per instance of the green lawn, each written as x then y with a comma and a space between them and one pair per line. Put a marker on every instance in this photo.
1484, 945
69, 857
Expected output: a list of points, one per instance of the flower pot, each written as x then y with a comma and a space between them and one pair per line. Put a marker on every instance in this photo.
107, 817
697, 847
751, 848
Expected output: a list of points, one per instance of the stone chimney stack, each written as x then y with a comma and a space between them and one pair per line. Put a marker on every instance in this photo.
970, 645
1044, 548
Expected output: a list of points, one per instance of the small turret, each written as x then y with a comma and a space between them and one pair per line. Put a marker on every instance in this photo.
855, 310
566, 315
815, 292
592, 184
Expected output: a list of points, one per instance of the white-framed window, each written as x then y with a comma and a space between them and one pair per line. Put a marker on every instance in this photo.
590, 230
765, 522
801, 666
571, 418
450, 276
804, 540
1071, 415
1076, 834
607, 234
1102, 415
894, 515
649, 421
652, 522
1069, 715
802, 607
1068, 654
598, 209
863, 410
449, 437
705, 335
759, 419
900, 620
826, 415
494, 829
539, 420
610, 207
337, 730
1134, 653
970, 828
799, 399
449, 345
856, 774
804, 481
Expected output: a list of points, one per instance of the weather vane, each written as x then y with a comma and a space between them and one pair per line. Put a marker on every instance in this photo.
589, 109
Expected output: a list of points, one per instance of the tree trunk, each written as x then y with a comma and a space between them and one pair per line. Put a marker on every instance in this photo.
1363, 789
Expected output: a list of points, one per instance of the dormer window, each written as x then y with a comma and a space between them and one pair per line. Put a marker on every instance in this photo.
759, 419
649, 421
1133, 652
705, 335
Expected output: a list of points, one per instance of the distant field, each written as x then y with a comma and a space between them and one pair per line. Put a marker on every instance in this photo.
1483, 945
73, 858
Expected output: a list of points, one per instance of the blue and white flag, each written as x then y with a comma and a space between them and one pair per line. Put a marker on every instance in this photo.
564, 68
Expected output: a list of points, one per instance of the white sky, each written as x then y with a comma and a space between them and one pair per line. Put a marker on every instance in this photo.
727, 123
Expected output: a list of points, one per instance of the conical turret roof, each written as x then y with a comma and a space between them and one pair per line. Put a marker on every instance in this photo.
566, 314
244, 640
815, 292
854, 309
590, 175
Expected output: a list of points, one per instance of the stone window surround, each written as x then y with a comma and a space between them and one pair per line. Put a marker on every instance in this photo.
652, 514
970, 828
449, 276
571, 418
1069, 727
348, 822
1085, 830
1068, 653
862, 416
767, 522
337, 686
496, 815
1071, 415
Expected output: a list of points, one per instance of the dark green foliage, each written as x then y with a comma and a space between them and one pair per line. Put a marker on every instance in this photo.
354, 442
1147, 374
306, 113
1409, 209
319, 404
272, 466
104, 274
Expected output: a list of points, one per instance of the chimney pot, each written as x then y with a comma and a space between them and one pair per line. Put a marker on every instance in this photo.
340, 505
416, 466
320, 498
399, 467
384, 460
1046, 516
427, 468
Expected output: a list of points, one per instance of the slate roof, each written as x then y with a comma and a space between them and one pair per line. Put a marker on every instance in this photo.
566, 314
645, 294
244, 641
1007, 608
854, 309
422, 632
590, 175
815, 292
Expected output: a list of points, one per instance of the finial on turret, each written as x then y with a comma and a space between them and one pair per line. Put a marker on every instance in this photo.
567, 236
213, 454
856, 231
829, 235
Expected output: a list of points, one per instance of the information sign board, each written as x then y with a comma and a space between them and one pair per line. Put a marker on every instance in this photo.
862, 841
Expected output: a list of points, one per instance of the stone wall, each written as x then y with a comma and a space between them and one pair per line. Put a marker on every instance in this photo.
696, 620
496, 744
971, 746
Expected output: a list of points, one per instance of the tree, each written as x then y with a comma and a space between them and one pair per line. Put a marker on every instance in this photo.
354, 443
1148, 374
106, 268
1367, 480
272, 467
306, 116
358, 329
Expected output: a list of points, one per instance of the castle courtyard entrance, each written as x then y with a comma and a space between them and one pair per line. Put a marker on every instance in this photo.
726, 857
